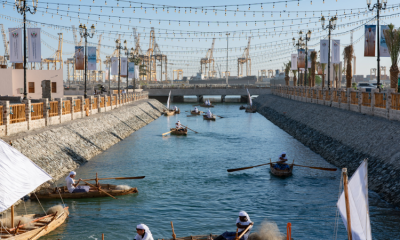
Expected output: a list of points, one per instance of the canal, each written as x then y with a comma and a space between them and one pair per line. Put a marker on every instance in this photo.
187, 183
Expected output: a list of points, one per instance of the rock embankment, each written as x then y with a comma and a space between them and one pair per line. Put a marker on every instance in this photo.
343, 138
61, 148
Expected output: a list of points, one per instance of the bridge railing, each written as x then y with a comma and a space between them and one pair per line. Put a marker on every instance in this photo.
203, 86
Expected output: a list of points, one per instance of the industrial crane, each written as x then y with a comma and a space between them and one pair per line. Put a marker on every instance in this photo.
245, 59
208, 60
6, 55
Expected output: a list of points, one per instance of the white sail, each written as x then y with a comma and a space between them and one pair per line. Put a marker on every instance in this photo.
169, 98
18, 176
358, 201
250, 102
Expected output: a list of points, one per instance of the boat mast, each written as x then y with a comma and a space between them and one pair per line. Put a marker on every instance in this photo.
12, 216
346, 197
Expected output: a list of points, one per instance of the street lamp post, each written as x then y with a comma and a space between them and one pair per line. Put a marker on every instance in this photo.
119, 48
22, 8
379, 6
299, 44
127, 63
308, 37
226, 73
330, 26
83, 31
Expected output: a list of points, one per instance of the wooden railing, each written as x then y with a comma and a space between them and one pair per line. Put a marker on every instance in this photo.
396, 101
114, 102
335, 96
366, 99
94, 104
53, 109
320, 95
36, 111
77, 106
1, 115
354, 98
102, 102
18, 113
87, 102
108, 101
380, 100
327, 95
343, 97
66, 107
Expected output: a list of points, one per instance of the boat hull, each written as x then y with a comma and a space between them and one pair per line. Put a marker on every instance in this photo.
194, 113
242, 107
178, 112
175, 132
281, 173
169, 112
210, 119
251, 110
207, 106
198, 237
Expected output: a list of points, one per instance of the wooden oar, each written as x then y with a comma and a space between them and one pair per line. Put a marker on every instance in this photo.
244, 168
189, 129
166, 133
319, 168
116, 178
173, 232
218, 116
191, 115
100, 189
244, 232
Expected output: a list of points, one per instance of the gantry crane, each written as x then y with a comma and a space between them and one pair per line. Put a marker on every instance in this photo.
6, 52
245, 59
99, 73
179, 72
57, 56
211, 73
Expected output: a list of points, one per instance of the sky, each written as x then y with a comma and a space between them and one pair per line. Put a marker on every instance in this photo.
271, 24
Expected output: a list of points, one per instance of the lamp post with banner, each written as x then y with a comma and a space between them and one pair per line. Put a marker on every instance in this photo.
308, 37
119, 47
83, 31
331, 26
22, 8
298, 44
379, 5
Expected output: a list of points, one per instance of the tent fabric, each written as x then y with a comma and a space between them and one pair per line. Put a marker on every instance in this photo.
169, 99
250, 102
18, 176
359, 207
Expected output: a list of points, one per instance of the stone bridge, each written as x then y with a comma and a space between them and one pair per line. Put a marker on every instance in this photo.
178, 92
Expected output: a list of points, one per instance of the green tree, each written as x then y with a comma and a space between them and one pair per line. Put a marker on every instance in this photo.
287, 71
392, 37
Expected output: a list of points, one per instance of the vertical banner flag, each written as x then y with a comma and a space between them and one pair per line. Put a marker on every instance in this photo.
79, 58
335, 51
294, 62
309, 57
136, 71
124, 66
324, 50
34, 46
114, 66
107, 78
369, 47
383, 49
91, 65
15, 36
131, 70
301, 62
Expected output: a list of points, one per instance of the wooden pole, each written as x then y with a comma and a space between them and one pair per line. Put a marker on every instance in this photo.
12, 216
97, 180
236, 236
102, 236
100, 190
346, 197
173, 232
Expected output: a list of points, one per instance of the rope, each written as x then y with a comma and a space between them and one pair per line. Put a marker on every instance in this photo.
337, 210
40, 203
59, 193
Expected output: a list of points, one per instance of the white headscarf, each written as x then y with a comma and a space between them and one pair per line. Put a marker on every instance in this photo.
148, 234
71, 173
244, 214
209, 111
283, 153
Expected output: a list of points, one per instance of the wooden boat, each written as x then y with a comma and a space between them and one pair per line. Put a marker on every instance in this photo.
169, 112
197, 237
196, 113
242, 107
213, 118
251, 110
178, 112
52, 193
176, 132
281, 173
204, 105
39, 226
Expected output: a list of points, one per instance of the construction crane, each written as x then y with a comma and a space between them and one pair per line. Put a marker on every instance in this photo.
99, 73
208, 60
6, 55
179, 72
245, 59
57, 56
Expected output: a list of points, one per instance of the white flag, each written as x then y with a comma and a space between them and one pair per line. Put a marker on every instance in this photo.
359, 207
34, 45
91, 63
294, 62
15, 36
124, 66
114, 66
324, 49
136, 71
131, 70
335, 51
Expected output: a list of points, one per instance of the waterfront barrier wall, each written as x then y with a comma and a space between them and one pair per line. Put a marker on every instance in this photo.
58, 149
16, 118
342, 137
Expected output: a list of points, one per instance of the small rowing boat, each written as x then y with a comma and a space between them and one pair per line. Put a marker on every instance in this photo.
213, 118
196, 113
204, 105
281, 173
242, 107
251, 110
178, 112
176, 132
113, 190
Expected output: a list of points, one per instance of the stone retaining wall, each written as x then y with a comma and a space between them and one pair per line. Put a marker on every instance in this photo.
343, 138
61, 148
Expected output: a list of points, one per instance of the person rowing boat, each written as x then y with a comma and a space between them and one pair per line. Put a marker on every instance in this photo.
143, 233
281, 164
208, 103
209, 114
196, 110
73, 187
242, 222
178, 126
176, 108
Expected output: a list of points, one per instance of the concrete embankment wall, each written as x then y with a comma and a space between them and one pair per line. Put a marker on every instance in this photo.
61, 148
343, 138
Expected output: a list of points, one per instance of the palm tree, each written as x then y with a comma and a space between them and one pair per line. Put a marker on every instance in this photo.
287, 71
348, 53
392, 37
313, 57
336, 67
294, 77
323, 65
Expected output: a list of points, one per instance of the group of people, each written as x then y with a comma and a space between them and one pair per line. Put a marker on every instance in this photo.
207, 102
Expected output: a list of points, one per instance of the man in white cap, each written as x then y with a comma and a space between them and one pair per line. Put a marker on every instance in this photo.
281, 164
176, 108
178, 126
72, 186
209, 114
242, 223
196, 110
143, 232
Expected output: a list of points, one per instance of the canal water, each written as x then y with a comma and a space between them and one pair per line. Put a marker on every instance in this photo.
187, 183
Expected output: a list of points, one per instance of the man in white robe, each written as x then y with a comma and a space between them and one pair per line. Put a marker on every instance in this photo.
196, 110
242, 222
143, 233
209, 114
72, 186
